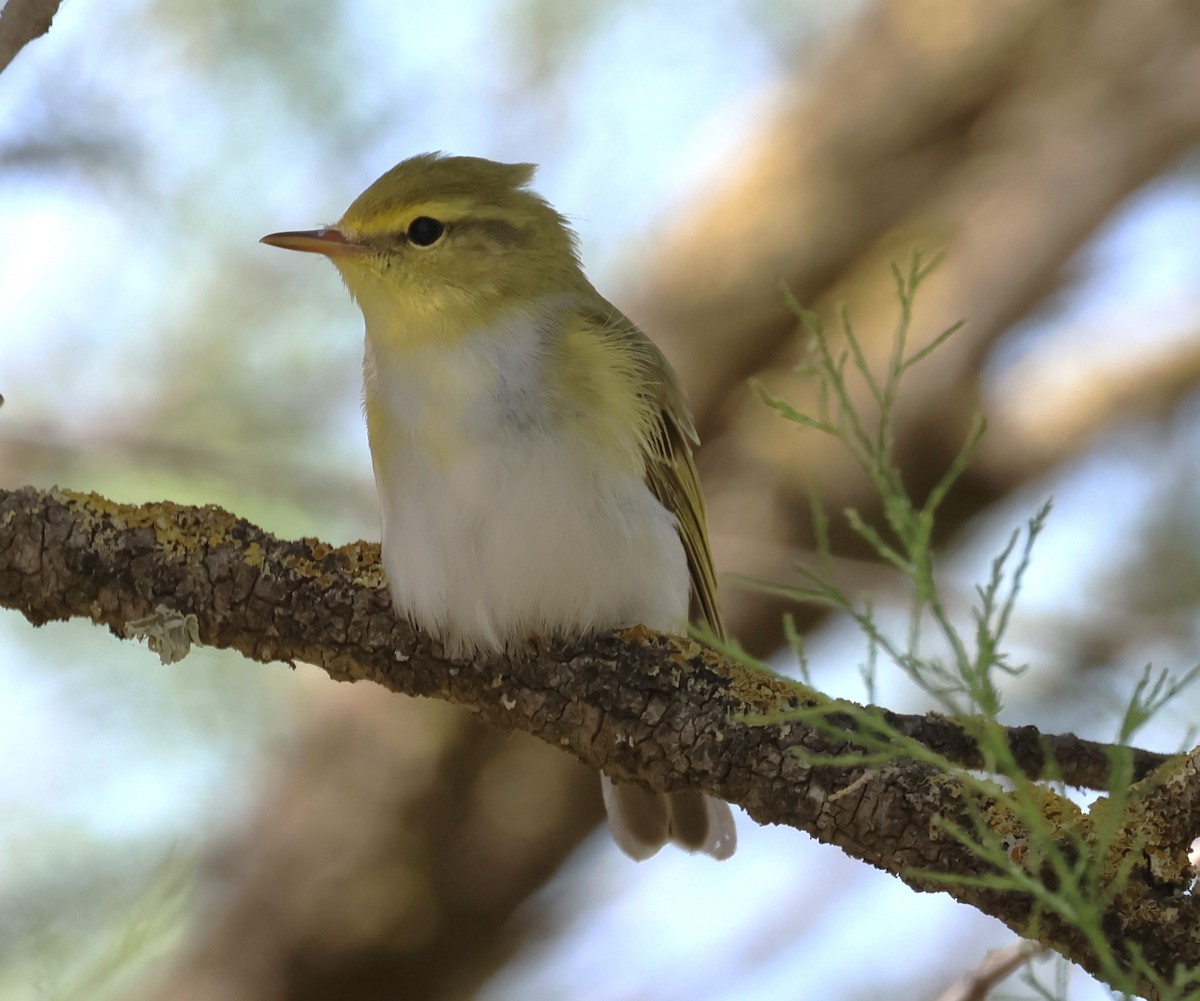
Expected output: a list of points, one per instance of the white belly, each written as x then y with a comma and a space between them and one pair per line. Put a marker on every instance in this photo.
527, 540
495, 533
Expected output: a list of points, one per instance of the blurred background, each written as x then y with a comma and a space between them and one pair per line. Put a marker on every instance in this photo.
224, 830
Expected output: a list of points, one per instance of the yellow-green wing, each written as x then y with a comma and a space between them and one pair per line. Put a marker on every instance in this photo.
670, 466
671, 475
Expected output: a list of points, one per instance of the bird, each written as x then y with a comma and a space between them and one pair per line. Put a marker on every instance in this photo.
532, 447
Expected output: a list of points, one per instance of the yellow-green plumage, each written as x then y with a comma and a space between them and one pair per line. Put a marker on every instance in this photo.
532, 448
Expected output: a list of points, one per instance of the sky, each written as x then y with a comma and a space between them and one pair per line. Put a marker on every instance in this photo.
205, 145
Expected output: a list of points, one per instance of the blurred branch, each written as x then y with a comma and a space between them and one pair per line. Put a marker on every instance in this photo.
1005, 132
388, 850
1055, 406
663, 711
1006, 135
21, 21
996, 966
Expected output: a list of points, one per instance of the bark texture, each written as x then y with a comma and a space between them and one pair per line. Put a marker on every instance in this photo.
663, 711
1004, 132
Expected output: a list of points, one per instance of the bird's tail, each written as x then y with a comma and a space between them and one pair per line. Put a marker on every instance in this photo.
642, 822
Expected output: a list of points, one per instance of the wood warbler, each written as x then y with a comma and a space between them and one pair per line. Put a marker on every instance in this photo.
532, 448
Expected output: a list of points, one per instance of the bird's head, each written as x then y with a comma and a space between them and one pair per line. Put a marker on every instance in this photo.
453, 240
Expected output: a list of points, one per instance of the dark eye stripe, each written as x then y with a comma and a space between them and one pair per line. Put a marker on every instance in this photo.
499, 231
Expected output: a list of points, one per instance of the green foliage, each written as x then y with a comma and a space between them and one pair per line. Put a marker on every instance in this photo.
1151, 693
966, 682
1070, 864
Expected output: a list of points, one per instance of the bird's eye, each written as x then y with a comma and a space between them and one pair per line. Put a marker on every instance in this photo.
424, 231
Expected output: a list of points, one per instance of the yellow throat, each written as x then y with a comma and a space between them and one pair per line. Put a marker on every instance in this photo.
532, 447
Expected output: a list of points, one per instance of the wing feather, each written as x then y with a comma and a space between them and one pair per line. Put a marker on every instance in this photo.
667, 443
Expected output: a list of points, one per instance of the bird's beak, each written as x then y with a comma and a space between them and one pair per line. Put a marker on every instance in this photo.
330, 241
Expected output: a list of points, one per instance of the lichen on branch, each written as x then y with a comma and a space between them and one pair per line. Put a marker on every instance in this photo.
665, 711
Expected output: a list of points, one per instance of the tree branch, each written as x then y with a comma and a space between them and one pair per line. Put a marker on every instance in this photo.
664, 711
21, 21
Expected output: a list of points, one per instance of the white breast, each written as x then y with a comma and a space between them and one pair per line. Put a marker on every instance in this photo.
498, 527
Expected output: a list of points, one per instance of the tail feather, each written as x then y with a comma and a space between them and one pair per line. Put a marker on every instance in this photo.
642, 822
